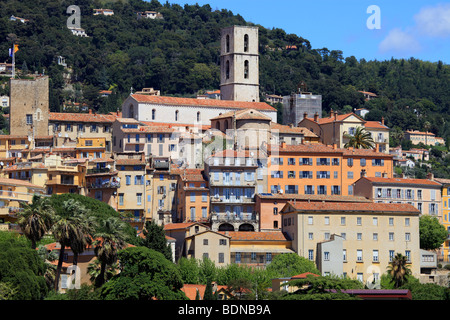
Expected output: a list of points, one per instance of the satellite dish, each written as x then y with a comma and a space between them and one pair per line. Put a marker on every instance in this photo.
1, 163
29, 138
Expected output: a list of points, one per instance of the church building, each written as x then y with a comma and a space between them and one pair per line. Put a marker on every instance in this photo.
239, 86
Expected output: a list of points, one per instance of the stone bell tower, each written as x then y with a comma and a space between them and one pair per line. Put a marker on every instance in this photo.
239, 64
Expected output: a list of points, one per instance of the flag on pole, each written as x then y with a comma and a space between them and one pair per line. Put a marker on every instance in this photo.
16, 48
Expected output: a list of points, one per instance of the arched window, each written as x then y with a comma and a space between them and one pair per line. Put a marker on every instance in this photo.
227, 69
131, 112
176, 115
198, 116
227, 39
246, 69
153, 114
246, 43
218, 125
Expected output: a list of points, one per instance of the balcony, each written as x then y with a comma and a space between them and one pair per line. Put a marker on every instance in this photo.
103, 184
233, 217
98, 171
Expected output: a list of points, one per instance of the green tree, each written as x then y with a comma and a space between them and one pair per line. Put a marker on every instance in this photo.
399, 270
290, 264
65, 230
432, 233
36, 218
21, 270
145, 275
208, 295
155, 238
362, 139
109, 239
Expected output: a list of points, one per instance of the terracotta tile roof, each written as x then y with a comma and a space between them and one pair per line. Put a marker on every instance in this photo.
150, 129
322, 148
82, 117
228, 153
129, 162
288, 129
244, 114
304, 275
375, 125
402, 181
310, 197
358, 207
18, 182
420, 132
181, 225
8, 136
214, 103
185, 125
255, 236
339, 117
189, 174
442, 181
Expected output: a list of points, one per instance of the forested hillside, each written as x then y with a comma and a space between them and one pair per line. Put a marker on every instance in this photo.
179, 55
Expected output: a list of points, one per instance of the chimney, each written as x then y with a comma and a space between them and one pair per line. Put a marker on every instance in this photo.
332, 113
334, 146
90, 111
382, 120
430, 176
316, 116
305, 115
385, 175
283, 144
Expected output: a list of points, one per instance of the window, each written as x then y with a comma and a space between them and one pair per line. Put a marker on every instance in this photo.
407, 222
153, 114
120, 199
246, 69
391, 221
221, 257
391, 255
198, 116
408, 255
311, 255
358, 221
246, 43
222, 242
326, 256
192, 198
205, 242
343, 221
139, 198
350, 162
407, 236
128, 180
344, 254
227, 69
310, 236
176, 115
359, 255
359, 236
375, 237
227, 43
310, 220
327, 220
391, 236
375, 255
375, 221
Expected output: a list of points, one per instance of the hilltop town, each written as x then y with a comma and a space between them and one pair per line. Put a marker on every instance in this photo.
228, 182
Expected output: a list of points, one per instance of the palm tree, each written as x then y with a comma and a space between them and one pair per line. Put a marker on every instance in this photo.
399, 270
36, 218
94, 267
109, 240
362, 139
67, 228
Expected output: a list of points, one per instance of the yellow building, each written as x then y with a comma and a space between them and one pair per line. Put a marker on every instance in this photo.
257, 249
11, 146
66, 178
90, 148
12, 193
357, 240
445, 252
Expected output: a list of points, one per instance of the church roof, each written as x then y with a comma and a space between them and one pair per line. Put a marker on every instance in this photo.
244, 114
213, 103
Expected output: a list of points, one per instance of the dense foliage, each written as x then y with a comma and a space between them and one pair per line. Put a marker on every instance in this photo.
179, 55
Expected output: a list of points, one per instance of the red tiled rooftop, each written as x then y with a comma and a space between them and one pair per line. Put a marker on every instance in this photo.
214, 103
354, 207
402, 181
255, 236
82, 117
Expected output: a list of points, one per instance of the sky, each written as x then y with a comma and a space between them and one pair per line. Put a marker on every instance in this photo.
375, 29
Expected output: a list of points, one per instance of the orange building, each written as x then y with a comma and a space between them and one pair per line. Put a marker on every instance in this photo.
192, 197
320, 169
90, 148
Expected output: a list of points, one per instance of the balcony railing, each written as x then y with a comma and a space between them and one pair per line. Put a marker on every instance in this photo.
98, 170
104, 184
219, 217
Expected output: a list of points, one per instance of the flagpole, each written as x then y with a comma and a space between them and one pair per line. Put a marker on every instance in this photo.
13, 61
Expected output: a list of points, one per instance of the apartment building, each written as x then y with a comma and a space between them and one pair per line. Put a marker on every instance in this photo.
333, 129
131, 191
209, 244
357, 240
423, 194
12, 146
90, 148
181, 231
33, 172
427, 138
269, 205
445, 193
192, 197
102, 181
12, 193
320, 169
68, 127
129, 135
257, 249
232, 177
65, 176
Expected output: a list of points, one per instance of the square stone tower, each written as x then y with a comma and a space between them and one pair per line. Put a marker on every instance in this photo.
29, 106
239, 64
